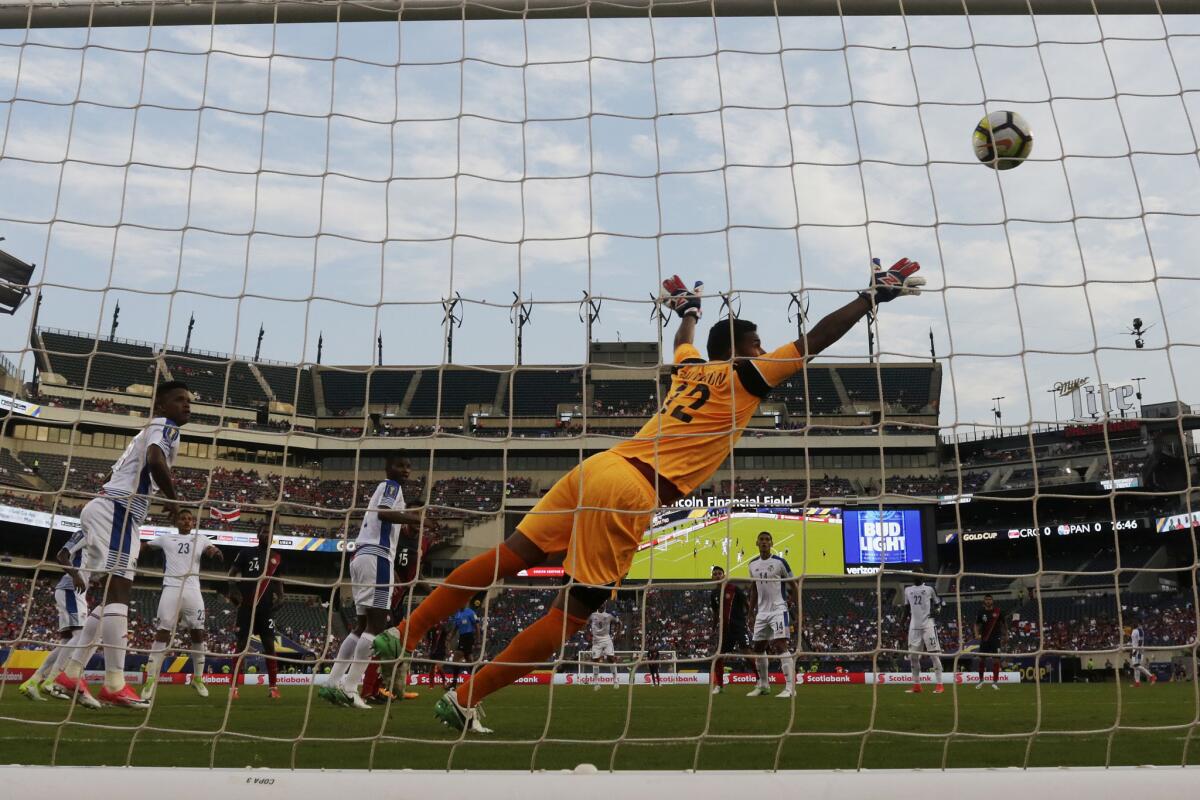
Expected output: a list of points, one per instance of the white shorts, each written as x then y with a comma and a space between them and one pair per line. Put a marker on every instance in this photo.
111, 539
772, 625
1136, 659
182, 607
924, 639
371, 579
602, 647
72, 608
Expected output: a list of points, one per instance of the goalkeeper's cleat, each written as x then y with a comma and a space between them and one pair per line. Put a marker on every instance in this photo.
198, 685
785, 694
939, 689
458, 716
54, 690
759, 691
274, 693
123, 697
30, 689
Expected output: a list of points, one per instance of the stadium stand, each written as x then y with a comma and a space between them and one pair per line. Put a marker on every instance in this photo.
819, 396
116, 365
624, 398
458, 388
538, 393
283, 382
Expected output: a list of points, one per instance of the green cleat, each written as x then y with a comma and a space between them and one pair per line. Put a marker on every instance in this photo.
451, 713
30, 689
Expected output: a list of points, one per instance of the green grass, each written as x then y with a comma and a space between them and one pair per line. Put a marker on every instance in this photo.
814, 548
826, 723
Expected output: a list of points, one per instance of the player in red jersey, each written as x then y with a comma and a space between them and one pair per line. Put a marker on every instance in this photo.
255, 612
729, 604
991, 632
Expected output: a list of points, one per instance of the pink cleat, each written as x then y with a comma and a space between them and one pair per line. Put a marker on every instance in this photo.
274, 693
78, 688
126, 697
914, 689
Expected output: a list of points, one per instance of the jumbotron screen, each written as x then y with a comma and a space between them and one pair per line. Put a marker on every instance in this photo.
874, 537
686, 544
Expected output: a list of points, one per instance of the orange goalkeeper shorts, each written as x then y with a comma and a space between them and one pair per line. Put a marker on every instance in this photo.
596, 515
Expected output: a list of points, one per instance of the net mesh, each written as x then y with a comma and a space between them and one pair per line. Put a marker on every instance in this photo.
370, 207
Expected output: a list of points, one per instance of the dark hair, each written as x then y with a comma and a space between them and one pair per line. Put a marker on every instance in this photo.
166, 387
722, 336
718, 568
986, 596
395, 457
768, 533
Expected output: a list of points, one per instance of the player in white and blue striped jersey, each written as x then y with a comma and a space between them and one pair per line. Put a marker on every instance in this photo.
1139, 663
371, 575
70, 599
771, 597
111, 525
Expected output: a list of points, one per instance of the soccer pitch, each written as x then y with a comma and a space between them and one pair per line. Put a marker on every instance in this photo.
826, 724
811, 548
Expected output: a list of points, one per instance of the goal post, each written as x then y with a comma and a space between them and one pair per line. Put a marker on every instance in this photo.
80, 13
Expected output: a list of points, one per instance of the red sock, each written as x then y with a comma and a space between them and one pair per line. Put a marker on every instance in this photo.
461, 585
272, 670
371, 680
718, 672
996, 671
532, 647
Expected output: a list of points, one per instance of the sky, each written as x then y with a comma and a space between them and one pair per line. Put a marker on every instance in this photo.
342, 181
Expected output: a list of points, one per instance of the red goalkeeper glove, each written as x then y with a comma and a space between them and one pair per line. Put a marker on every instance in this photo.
898, 280
683, 301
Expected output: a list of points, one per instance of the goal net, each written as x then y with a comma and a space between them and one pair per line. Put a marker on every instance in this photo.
443, 228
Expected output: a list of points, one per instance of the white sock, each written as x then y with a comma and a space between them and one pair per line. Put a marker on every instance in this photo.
613, 665
85, 646
64, 655
937, 668
115, 629
789, 670
342, 662
362, 656
198, 661
915, 662
43, 669
764, 678
154, 665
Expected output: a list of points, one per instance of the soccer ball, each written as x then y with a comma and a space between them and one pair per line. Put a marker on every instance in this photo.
1003, 140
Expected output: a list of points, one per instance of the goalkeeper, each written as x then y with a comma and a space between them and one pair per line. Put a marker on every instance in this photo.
595, 515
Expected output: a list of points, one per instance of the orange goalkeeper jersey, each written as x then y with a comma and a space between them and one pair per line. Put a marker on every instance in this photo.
706, 412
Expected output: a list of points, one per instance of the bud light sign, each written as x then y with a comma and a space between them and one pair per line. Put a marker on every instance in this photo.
891, 536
